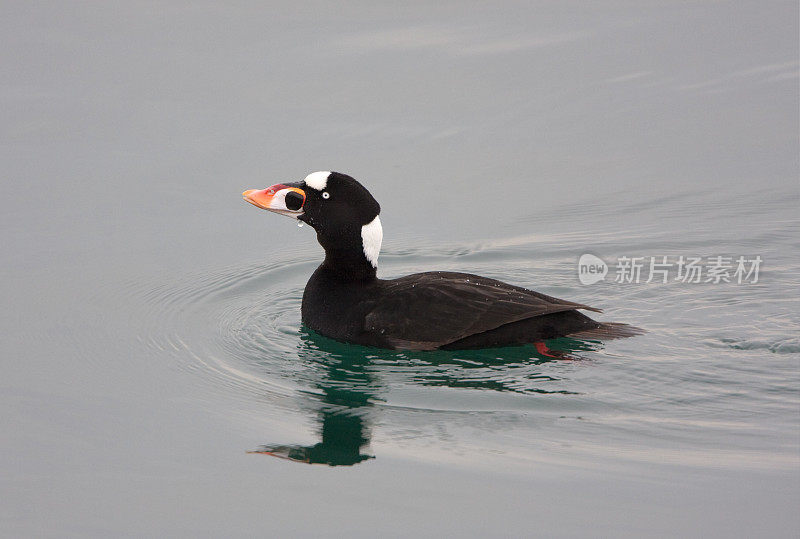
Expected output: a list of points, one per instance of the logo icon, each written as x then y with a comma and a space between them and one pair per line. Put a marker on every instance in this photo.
591, 269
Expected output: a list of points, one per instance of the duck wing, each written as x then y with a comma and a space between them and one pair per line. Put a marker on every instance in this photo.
425, 311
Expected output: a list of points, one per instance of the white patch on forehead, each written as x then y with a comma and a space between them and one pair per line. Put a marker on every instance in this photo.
371, 238
318, 180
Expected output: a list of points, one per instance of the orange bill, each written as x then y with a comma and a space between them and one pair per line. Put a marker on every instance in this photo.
280, 198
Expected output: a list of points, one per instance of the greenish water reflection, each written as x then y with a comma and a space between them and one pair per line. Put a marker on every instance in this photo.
344, 402
348, 383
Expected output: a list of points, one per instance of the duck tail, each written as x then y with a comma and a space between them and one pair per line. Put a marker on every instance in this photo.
607, 331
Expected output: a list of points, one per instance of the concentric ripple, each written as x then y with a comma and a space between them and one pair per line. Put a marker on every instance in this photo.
237, 330
240, 327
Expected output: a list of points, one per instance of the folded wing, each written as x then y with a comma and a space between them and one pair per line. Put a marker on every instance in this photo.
424, 311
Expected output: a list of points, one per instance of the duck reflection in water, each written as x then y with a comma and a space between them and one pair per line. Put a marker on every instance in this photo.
347, 396
349, 387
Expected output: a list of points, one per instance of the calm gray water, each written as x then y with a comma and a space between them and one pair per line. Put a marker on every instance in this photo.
151, 337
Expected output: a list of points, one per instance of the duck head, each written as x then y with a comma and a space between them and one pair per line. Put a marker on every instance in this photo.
341, 210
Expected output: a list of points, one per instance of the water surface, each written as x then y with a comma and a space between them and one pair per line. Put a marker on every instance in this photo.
154, 362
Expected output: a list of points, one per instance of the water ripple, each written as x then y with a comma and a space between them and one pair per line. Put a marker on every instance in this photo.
237, 330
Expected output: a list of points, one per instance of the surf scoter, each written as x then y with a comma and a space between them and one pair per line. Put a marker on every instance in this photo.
345, 300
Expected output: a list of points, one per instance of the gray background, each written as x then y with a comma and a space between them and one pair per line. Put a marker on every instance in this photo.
129, 130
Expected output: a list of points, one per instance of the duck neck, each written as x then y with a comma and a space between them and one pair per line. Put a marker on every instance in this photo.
348, 265
356, 259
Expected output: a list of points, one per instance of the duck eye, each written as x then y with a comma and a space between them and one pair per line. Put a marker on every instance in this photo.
326, 195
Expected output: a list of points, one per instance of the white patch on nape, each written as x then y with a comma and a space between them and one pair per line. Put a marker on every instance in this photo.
318, 180
371, 238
